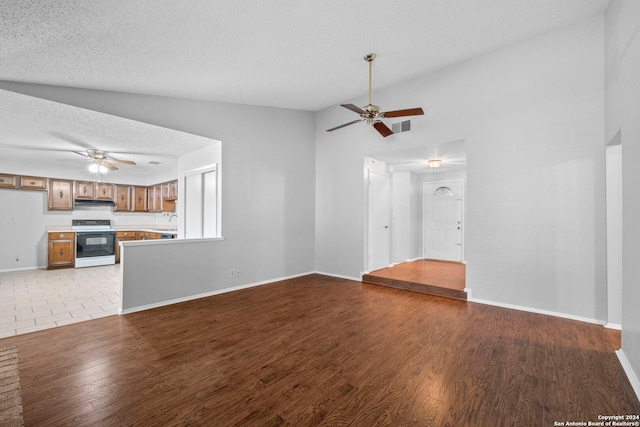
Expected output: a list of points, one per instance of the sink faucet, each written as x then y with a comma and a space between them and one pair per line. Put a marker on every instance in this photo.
172, 217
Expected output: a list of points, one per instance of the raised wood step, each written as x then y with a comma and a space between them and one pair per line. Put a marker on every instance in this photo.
415, 287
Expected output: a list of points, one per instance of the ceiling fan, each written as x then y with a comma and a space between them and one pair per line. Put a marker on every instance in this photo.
102, 158
372, 113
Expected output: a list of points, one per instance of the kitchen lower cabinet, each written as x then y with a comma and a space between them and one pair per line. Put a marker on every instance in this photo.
124, 236
61, 250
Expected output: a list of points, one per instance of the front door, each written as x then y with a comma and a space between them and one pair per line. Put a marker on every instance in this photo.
443, 220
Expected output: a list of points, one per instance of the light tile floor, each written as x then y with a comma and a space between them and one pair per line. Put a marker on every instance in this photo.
32, 300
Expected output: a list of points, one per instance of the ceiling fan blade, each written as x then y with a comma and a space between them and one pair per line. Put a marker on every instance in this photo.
346, 124
353, 108
403, 113
80, 154
107, 164
72, 139
383, 129
122, 162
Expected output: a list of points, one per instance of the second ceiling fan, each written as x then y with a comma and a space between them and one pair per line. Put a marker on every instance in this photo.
372, 113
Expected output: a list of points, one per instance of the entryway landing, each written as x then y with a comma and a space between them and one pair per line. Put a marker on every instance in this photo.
441, 278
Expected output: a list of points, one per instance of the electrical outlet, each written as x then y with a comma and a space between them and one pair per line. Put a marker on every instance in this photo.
237, 273
13, 219
340, 263
232, 273
17, 258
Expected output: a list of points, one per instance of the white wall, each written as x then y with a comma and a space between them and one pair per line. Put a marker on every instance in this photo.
401, 216
622, 112
267, 178
614, 234
531, 115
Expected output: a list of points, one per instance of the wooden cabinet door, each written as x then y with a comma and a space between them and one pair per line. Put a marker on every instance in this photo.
123, 198
139, 199
85, 190
8, 181
154, 198
170, 190
104, 191
33, 183
60, 195
123, 236
61, 250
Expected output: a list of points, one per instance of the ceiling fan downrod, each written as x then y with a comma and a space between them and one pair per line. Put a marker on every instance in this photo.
369, 58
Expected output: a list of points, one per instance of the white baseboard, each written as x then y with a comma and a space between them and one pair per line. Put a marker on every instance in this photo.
615, 326
9, 270
633, 378
207, 294
531, 309
340, 276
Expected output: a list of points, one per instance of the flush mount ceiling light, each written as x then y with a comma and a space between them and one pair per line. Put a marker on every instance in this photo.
434, 163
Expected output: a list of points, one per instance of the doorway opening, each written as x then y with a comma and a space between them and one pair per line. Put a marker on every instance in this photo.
425, 211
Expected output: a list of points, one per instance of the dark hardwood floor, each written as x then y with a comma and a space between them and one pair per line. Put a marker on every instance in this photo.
321, 351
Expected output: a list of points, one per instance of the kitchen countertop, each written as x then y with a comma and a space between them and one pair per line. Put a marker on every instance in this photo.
147, 227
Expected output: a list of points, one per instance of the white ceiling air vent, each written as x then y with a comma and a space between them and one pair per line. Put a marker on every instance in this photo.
153, 162
401, 126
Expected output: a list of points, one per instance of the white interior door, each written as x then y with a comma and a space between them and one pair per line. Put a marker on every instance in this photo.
378, 221
443, 220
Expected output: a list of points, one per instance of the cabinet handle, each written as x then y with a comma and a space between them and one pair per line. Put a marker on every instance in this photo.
61, 252
61, 194
84, 190
32, 183
104, 191
122, 197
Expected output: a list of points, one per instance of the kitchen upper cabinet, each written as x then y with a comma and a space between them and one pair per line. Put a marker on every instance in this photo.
93, 190
104, 191
61, 250
123, 199
85, 190
170, 190
8, 181
60, 195
33, 183
139, 199
154, 198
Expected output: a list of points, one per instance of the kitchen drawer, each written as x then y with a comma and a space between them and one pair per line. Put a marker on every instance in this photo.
61, 235
33, 183
121, 234
8, 181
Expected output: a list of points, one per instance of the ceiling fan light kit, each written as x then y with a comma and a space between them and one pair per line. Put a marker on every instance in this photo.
372, 114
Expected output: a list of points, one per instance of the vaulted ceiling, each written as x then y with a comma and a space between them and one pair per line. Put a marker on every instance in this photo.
282, 53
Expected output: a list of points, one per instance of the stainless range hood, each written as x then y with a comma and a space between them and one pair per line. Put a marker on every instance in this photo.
83, 203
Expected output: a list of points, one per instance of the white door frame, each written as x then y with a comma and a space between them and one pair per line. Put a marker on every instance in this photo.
462, 215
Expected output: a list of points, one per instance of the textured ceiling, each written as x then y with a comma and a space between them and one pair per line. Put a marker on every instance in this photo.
284, 53
36, 130
296, 54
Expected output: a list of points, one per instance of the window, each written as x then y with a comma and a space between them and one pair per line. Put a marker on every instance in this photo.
443, 191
